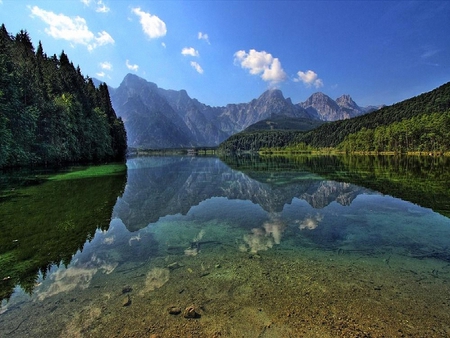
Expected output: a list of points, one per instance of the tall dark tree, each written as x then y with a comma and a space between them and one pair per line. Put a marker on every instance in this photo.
50, 113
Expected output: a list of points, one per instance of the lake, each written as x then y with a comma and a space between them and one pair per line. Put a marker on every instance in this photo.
312, 246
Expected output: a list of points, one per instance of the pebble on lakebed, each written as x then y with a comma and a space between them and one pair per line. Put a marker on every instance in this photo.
126, 301
190, 312
126, 289
174, 310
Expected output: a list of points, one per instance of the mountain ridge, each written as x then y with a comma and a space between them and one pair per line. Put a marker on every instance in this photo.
163, 118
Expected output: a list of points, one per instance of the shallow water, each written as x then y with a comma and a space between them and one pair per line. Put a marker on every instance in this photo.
270, 248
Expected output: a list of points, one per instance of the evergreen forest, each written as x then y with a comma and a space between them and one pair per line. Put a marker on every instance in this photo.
419, 124
50, 114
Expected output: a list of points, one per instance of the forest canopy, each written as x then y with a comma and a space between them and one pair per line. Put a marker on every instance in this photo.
49, 112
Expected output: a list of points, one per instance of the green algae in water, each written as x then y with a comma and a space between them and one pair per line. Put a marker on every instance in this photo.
46, 224
93, 171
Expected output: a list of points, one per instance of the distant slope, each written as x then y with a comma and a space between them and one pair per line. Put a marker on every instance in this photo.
284, 123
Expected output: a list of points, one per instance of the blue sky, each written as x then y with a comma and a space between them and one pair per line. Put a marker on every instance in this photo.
232, 51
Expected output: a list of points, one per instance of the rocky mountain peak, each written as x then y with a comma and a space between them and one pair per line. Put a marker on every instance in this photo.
318, 96
272, 94
132, 80
322, 107
345, 101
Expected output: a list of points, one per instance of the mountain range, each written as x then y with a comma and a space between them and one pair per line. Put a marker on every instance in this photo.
159, 118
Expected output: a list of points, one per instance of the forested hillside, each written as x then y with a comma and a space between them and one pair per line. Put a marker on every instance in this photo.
49, 112
417, 124
330, 135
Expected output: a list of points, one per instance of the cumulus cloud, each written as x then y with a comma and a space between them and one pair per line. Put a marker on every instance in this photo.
74, 30
203, 36
106, 65
189, 51
101, 74
197, 67
152, 26
132, 67
163, 44
261, 63
309, 78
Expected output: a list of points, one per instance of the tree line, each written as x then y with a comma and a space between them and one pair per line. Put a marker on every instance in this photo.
50, 114
424, 133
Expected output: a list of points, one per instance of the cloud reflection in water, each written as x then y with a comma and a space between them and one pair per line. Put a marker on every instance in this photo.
264, 238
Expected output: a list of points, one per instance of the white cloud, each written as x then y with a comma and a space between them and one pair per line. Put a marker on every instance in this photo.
163, 44
100, 5
203, 36
101, 74
132, 67
261, 63
309, 78
104, 38
189, 51
106, 65
197, 67
153, 26
74, 30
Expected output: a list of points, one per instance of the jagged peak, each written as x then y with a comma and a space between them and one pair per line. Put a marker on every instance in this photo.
272, 93
318, 97
346, 101
133, 80
345, 98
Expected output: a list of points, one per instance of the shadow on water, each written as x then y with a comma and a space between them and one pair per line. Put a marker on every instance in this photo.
45, 222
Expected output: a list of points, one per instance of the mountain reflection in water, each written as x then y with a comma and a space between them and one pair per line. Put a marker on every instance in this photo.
256, 247
162, 186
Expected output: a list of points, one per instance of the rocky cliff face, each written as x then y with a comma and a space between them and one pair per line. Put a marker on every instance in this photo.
149, 119
159, 118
